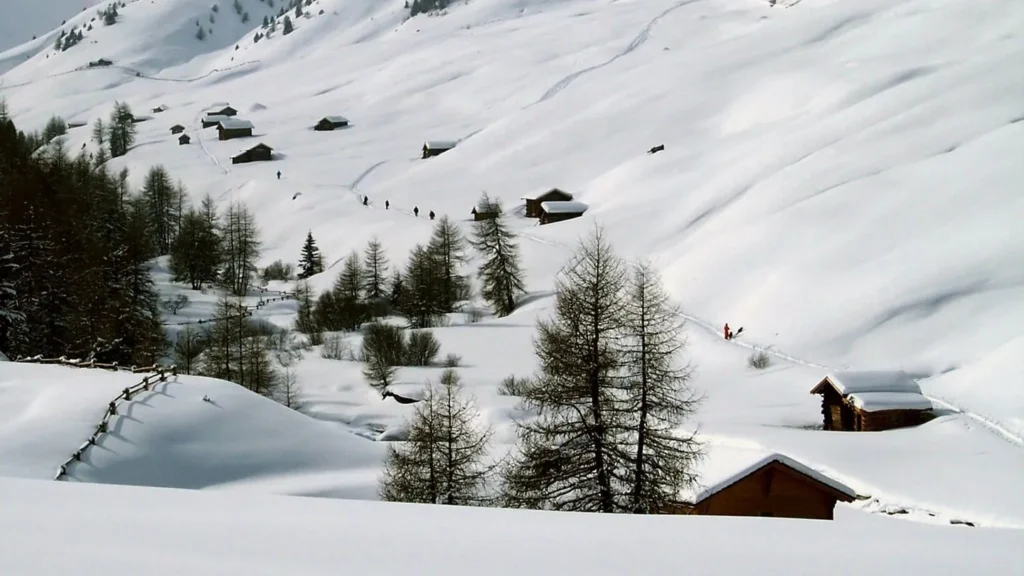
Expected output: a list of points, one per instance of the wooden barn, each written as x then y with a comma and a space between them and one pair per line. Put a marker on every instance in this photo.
742, 482
159, 109
533, 201
436, 147
484, 214
177, 129
328, 123
225, 111
137, 119
258, 153
184, 139
551, 212
871, 401
214, 120
234, 128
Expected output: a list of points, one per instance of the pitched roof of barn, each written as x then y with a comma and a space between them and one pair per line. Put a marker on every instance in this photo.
879, 401
229, 123
215, 118
724, 466
335, 119
568, 207
537, 195
860, 382
439, 144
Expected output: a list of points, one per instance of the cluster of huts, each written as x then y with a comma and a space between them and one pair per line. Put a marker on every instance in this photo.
555, 205
744, 482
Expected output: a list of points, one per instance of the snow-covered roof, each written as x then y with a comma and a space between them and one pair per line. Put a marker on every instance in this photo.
723, 466
873, 381
439, 144
568, 207
216, 118
235, 124
537, 195
336, 119
879, 401
212, 111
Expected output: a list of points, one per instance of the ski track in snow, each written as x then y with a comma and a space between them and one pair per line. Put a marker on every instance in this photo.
637, 42
202, 144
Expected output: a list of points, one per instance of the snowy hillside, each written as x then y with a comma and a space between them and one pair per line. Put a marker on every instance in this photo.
24, 20
172, 532
841, 178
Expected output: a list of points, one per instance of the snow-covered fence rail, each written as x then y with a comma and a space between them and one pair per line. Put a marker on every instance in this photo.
113, 366
247, 311
159, 374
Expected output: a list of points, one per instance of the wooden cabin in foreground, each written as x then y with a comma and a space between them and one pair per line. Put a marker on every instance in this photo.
551, 212
870, 401
184, 139
177, 129
436, 147
740, 482
328, 123
533, 201
234, 128
258, 153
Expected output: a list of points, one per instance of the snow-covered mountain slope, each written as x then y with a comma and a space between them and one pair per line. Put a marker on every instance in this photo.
171, 436
159, 532
842, 178
22, 21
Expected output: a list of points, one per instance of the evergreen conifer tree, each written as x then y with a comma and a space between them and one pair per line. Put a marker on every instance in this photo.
447, 249
195, 253
310, 262
288, 26
423, 301
500, 274
375, 270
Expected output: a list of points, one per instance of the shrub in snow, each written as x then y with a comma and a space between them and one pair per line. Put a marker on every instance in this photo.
335, 348
201, 34
759, 360
452, 360
215, 8
383, 349
422, 348
278, 270
512, 386
174, 305
238, 7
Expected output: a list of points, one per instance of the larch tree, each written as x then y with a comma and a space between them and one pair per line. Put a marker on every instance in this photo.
223, 357
423, 300
241, 247
571, 455
501, 274
447, 249
195, 253
120, 130
657, 395
443, 459
383, 349
163, 204
187, 348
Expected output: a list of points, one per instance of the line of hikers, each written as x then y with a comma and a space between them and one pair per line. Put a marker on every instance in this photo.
366, 202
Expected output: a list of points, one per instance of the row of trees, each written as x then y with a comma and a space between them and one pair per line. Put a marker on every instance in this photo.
115, 137
431, 285
74, 243
605, 407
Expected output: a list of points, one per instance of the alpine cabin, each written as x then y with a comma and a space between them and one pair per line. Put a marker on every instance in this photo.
159, 109
214, 120
871, 401
225, 111
533, 201
436, 147
184, 139
177, 129
479, 215
234, 128
742, 482
551, 212
258, 153
328, 123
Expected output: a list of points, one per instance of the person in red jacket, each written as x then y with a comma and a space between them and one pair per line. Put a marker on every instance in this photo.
727, 332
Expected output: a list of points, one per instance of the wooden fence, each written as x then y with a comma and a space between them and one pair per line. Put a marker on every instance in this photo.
157, 373
248, 311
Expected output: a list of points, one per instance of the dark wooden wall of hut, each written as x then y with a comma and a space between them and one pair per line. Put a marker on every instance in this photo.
774, 490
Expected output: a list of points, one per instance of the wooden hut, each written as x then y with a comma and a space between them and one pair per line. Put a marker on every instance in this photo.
184, 139
742, 482
137, 119
258, 153
436, 147
551, 212
224, 111
870, 401
177, 129
533, 201
159, 109
234, 128
328, 123
214, 120
484, 215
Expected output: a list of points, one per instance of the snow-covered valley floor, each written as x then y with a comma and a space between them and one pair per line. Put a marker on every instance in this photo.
842, 178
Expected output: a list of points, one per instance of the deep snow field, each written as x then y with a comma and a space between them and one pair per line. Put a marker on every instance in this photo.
844, 179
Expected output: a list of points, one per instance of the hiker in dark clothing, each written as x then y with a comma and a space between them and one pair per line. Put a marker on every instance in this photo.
416, 211
431, 214
387, 204
278, 174
365, 200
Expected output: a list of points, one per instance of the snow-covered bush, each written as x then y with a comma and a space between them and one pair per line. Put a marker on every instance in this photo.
335, 348
759, 360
